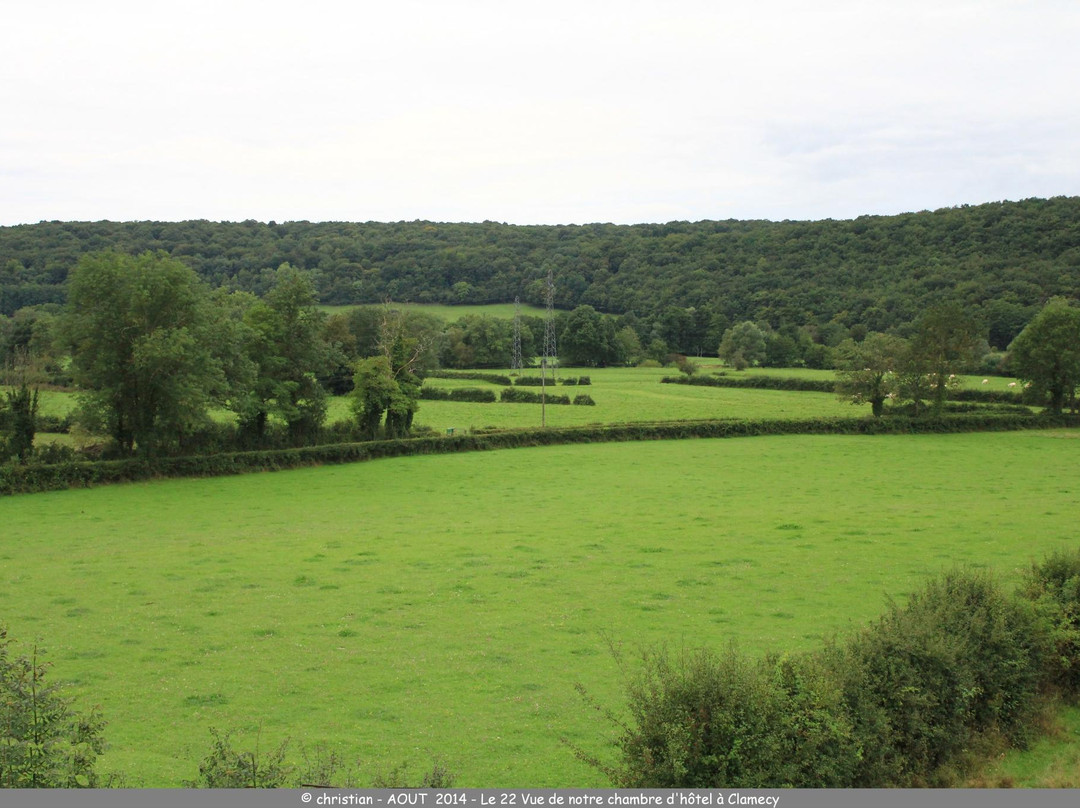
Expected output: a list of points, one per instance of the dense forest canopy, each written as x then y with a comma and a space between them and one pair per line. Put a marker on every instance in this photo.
1001, 261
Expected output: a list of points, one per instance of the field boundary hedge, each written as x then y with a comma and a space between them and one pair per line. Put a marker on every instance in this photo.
16, 479
827, 386
757, 382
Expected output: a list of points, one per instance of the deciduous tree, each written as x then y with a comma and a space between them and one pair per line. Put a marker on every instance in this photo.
868, 371
1047, 353
137, 329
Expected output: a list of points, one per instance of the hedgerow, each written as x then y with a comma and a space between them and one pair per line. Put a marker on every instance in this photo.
53, 476
472, 394
756, 382
491, 378
512, 395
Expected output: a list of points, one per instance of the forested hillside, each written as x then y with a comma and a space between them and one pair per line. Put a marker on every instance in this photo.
1001, 261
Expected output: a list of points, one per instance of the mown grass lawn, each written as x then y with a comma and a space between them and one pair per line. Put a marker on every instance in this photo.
408, 608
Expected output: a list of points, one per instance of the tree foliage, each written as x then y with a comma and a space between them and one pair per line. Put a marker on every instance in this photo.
743, 345
1047, 354
945, 343
685, 282
284, 333
136, 327
868, 370
18, 422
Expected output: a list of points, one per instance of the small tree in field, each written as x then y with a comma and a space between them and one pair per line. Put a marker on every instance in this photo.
868, 371
743, 345
1047, 354
944, 345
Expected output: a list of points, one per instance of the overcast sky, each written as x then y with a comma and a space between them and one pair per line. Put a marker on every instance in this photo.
533, 112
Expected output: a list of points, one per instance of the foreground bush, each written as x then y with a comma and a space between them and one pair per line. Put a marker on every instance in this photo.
1054, 587
43, 742
960, 659
901, 703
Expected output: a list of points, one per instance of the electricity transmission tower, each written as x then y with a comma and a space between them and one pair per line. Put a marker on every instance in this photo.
515, 361
550, 349
550, 355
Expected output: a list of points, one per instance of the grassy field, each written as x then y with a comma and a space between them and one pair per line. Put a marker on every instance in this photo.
446, 605
622, 395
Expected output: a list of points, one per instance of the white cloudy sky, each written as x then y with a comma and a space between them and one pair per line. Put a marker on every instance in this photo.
533, 111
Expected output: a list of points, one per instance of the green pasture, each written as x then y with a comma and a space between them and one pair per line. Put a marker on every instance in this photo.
445, 606
622, 395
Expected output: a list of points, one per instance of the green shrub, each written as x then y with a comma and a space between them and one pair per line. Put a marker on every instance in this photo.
708, 720
43, 743
584, 399
225, 767
437, 777
961, 658
1054, 586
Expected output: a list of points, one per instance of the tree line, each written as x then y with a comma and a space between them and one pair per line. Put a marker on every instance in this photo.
687, 281
155, 351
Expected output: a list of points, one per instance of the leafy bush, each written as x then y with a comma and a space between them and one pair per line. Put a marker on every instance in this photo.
43, 743
960, 659
225, 767
1054, 586
584, 399
708, 720
899, 704
536, 381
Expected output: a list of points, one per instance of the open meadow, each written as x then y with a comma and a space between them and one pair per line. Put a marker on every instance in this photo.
445, 606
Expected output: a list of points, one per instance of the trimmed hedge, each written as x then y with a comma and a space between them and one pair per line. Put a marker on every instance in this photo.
828, 386
535, 381
16, 479
473, 394
513, 396
756, 382
492, 378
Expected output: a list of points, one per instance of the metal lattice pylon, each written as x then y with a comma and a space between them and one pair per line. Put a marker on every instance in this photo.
550, 348
516, 362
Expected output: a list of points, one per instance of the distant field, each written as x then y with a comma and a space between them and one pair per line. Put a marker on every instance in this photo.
622, 395
446, 605
449, 313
